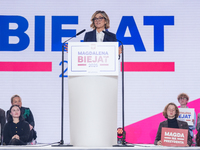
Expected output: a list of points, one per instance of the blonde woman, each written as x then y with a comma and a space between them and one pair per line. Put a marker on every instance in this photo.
100, 24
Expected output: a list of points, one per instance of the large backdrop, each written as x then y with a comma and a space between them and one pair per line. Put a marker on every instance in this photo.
161, 47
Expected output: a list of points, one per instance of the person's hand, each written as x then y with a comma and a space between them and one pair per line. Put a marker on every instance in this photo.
187, 145
120, 50
31, 127
159, 142
66, 47
193, 121
15, 137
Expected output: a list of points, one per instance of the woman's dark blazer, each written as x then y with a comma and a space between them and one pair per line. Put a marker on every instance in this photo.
91, 37
181, 124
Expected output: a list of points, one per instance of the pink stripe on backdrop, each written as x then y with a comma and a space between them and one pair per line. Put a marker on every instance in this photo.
149, 66
26, 66
144, 131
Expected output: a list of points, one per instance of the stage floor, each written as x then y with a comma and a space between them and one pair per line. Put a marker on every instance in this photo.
136, 147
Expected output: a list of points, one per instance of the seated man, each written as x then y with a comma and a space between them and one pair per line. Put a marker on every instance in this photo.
27, 114
2, 123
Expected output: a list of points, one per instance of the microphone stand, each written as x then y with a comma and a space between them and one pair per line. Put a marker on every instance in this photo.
124, 133
61, 143
123, 138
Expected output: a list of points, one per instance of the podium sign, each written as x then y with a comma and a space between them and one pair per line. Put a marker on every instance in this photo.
174, 137
187, 115
93, 58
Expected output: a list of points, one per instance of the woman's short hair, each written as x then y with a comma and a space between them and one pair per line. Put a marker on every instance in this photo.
107, 25
10, 118
165, 110
183, 95
14, 97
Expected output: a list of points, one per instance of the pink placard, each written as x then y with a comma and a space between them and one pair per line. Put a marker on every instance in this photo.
174, 137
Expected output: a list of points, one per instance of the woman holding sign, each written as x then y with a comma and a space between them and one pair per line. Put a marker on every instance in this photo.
183, 100
171, 112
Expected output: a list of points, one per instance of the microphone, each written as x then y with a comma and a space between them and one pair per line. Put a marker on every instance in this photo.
105, 32
110, 34
74, 36
80, 32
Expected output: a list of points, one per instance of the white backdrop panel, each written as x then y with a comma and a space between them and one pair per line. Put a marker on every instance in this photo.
146, 93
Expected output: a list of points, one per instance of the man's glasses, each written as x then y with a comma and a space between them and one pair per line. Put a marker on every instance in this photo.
184, 98
100, 18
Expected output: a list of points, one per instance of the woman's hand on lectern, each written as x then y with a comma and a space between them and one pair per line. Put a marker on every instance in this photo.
66, 47
120, 50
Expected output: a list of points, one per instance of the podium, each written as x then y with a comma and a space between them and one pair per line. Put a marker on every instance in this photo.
93, 93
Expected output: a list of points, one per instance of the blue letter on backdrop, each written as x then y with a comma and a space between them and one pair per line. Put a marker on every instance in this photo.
158, 22
5, 32
58, 32
135, 39
39, 33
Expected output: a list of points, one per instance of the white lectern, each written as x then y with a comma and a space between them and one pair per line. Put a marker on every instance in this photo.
93, 87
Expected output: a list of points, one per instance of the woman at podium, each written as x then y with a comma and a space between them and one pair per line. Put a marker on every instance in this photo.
100, 24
